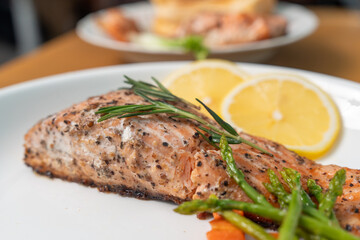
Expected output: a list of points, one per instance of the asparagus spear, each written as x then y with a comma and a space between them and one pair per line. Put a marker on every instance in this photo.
327, 203
276, 188
307, 223
316, 191
216, 205
265, 209
289, 175
247, 225
238, 175
288, 226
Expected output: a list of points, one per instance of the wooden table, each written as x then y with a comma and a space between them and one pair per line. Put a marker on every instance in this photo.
333, 49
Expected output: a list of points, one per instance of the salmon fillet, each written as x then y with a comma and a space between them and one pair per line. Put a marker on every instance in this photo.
159, 157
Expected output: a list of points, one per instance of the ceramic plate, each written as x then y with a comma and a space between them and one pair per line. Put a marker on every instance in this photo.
36, 207
301, 23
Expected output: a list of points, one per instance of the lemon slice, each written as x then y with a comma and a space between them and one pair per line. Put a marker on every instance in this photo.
287, 109
208, 80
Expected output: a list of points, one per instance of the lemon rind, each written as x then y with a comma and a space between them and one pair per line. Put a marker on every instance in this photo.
211, 63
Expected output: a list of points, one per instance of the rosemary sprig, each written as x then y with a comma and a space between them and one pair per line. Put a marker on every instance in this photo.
149, 91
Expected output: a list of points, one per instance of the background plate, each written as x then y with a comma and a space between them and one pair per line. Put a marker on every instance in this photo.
36, 207
301, 23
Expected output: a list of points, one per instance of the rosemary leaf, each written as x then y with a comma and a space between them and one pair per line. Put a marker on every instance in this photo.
208, 140
219, 120
162, 87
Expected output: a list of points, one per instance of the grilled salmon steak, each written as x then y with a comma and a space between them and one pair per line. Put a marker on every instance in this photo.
159, 157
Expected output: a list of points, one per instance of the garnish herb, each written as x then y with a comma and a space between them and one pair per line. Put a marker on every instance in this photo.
149, 91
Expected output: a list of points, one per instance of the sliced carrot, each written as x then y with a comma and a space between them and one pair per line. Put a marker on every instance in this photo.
217, 216
225, 235
223, 230
275, 234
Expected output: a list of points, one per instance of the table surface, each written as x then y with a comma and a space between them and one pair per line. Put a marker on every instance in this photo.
333, 49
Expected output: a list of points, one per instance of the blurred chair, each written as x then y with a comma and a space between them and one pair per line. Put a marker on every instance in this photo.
26, 25
54, 17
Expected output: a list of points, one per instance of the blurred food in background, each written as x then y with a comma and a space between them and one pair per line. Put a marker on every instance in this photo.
243, 30
117, 25
219, 22
26, 24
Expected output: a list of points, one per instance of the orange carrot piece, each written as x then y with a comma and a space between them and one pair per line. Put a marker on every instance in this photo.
275, 234
223, 230
225, 235
217, 216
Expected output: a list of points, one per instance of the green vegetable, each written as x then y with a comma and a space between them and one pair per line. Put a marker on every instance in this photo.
289, 225
216, 205
316, 191
309, 224
289, 175
238, 175
327, 203
247, 225
276, 188
193, 44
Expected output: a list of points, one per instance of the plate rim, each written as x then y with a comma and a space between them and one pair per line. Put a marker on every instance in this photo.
116, 68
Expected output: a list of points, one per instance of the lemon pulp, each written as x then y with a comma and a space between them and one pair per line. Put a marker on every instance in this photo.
207, 80
287, 109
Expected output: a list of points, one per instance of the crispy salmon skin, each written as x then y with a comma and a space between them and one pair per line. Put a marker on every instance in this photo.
159, 157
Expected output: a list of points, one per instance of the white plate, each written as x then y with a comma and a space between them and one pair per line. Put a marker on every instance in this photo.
36, 207
301, 23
